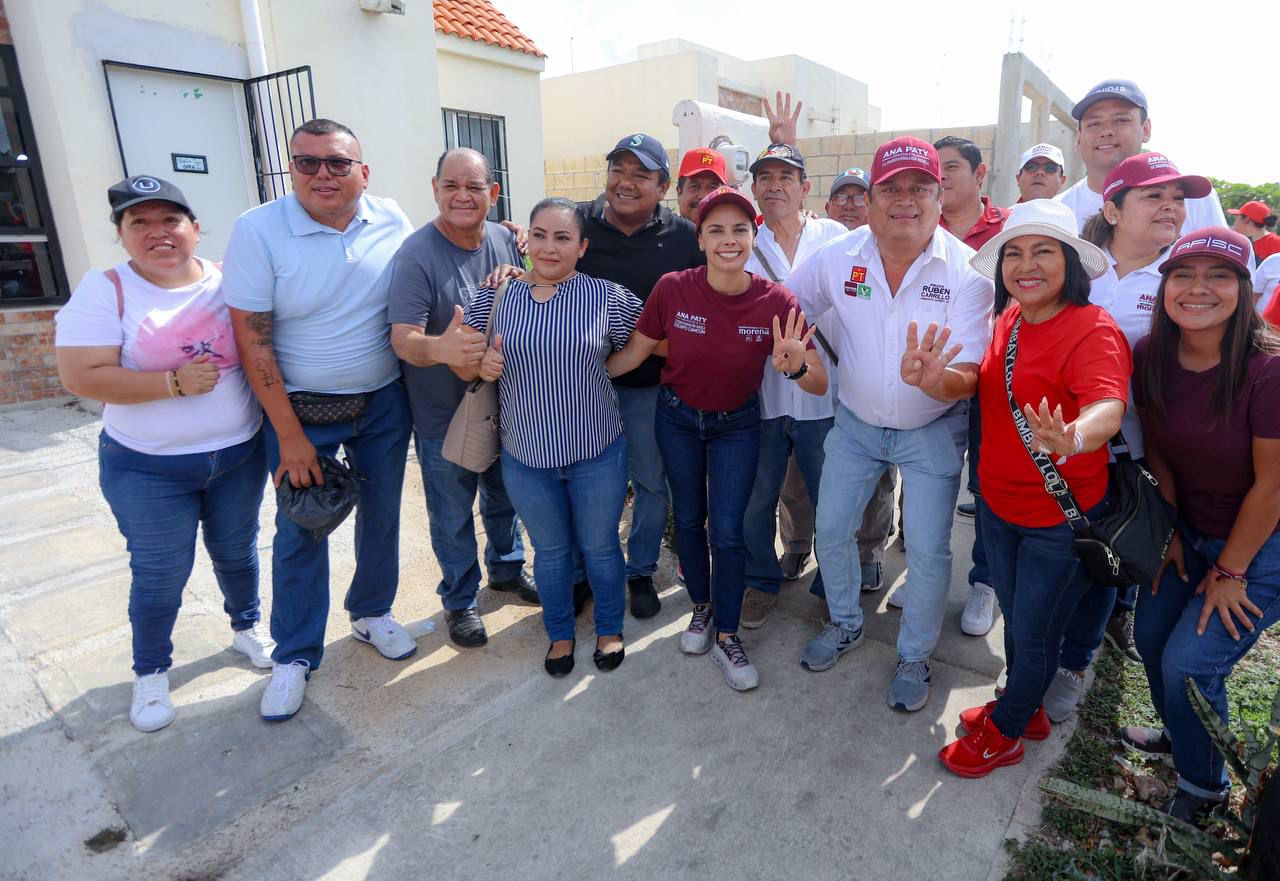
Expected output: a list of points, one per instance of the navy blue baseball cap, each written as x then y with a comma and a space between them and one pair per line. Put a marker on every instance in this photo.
646, 148
1124, 90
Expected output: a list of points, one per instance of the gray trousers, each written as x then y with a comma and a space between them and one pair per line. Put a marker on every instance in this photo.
795, 516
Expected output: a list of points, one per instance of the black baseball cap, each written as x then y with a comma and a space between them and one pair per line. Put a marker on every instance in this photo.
144, 188
646, 148
1124, 90
784, 153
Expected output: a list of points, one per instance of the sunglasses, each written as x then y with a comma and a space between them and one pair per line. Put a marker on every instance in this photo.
339, 166
858, 200
1046, 167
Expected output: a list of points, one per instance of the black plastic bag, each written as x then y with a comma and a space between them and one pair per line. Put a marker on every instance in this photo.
321, 509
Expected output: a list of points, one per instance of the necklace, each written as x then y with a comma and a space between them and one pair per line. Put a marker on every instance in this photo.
552, 284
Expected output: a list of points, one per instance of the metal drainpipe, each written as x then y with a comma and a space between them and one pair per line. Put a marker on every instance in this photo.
254, 46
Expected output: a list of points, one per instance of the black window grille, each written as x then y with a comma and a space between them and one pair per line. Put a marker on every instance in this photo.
488, 135
277, 104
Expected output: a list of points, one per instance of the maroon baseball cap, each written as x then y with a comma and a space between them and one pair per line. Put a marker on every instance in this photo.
725, 196
1149, 169
1212, 241
905, 154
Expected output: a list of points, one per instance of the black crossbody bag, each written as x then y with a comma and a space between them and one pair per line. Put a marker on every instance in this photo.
1128, 543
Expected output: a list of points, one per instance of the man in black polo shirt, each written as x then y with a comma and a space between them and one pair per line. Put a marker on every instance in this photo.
634, 241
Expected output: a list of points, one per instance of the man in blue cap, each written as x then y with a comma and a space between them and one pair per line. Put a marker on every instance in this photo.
634, 242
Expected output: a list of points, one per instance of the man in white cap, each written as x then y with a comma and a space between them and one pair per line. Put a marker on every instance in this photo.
1042, 173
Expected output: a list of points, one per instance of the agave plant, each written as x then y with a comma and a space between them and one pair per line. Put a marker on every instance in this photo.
1253, 761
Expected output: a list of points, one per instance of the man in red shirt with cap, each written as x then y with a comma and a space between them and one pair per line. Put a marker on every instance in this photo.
1254, 221
701, 171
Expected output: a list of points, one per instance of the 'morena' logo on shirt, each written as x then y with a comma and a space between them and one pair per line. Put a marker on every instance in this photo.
935, 293
754, 334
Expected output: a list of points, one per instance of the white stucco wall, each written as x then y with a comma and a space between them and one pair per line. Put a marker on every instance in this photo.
375, 73
480, 78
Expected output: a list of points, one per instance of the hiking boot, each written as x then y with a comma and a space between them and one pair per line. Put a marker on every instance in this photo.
1119, 634
825, 649
756, 606
1063, 694
980, 753
1038, 728
731, 657
909, 690
697, 637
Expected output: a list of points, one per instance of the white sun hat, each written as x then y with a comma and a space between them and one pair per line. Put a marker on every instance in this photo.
1041, 217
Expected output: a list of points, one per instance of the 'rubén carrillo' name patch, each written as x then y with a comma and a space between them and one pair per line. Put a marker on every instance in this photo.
935, 293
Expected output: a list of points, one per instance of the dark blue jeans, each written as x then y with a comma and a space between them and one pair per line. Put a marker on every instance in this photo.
451, 496
1039, 581
778, 438
158, 501
574, 507
981, 572
710, 458
376, 445
1164, 629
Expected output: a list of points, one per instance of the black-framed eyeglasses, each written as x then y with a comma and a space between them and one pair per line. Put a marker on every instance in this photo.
339, 166
858, 200
1046, 167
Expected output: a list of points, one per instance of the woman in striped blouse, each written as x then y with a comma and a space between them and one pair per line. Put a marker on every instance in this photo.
564, 459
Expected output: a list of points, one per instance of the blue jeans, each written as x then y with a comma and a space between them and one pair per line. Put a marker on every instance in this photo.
577, 506
930, 459
376, 445
1165, 632
645, 468
778, 438
451, 496
711, 458
1039, 580
158, 502
981, 572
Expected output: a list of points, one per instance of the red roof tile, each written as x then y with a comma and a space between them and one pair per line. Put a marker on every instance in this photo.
479, 20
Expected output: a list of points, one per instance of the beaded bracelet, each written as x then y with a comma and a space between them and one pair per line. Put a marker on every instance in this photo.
177, 384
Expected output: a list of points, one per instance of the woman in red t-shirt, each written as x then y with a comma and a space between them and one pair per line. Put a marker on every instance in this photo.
1070, 379
1207, 386
721, 324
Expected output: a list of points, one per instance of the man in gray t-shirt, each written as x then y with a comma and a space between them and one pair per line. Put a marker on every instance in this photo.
434, 274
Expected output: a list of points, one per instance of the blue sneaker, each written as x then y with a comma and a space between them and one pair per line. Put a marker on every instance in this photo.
825, 649
872, 577
909, 690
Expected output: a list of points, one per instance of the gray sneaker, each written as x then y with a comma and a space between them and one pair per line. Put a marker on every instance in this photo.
731, 657
909, 690
872, 577
825, 649
1063, 695
697, 638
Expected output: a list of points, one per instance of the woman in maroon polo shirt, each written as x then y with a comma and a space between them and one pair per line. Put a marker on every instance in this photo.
721, 325
1207, 386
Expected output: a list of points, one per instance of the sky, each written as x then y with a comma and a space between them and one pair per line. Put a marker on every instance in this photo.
931, 64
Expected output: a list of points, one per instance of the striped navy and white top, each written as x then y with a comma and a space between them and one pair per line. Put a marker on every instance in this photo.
557, 404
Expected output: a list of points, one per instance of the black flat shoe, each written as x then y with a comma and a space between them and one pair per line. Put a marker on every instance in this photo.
581, 593
562, 666
610, 661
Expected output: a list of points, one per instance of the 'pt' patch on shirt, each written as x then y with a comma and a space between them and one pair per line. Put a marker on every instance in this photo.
858, 274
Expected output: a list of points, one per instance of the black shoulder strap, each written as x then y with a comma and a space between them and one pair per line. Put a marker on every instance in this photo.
1054, 485
822, 340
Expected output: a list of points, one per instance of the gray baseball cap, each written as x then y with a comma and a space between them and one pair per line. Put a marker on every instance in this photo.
859, 176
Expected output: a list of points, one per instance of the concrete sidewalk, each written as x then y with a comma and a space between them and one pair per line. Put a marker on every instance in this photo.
460, 764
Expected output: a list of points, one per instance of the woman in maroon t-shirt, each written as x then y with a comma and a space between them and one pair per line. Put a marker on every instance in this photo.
1207, 386
1070, 379
721, 324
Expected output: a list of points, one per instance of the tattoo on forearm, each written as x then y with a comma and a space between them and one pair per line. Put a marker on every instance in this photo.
261, 323
266, 368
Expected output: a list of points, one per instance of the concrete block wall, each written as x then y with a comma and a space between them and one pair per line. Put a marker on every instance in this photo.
582, 179
28, 370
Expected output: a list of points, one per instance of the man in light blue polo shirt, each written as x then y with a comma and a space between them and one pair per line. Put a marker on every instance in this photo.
306, 278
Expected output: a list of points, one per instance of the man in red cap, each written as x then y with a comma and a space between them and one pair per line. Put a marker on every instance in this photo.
1254, 221
701, 171
883, 286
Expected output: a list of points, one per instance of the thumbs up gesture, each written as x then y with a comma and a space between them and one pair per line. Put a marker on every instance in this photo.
491, 363
459, 345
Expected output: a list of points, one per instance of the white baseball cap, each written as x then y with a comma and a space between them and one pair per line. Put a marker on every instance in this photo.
1048, 151
1041, 217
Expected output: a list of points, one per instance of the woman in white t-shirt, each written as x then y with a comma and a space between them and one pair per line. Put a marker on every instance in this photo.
180, 443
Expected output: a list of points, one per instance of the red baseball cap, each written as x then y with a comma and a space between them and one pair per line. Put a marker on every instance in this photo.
1212, 241
1149, 169
1258, 212
905, 154
701, 159
725, 196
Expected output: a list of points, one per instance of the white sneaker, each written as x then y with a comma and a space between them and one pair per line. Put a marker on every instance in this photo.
730, 657
152, 709
386, 635
697, 638
255, 644
283, 697
898, 599
979, 610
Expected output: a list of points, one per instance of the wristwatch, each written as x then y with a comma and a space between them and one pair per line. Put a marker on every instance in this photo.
804, 368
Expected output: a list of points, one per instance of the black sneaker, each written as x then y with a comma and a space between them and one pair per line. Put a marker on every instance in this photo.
1192, 809
465, 628
581, 593
644, 597
521, 586
1119, 634
1150, 742
792, 564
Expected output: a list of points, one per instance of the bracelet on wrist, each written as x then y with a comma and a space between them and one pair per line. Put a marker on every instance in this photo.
168, 384
1227, 574
177, 385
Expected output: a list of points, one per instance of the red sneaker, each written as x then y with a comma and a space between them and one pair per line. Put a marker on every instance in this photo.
980, 753
1037, 729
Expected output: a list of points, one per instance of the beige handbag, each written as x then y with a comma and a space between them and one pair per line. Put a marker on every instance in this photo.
472, 441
